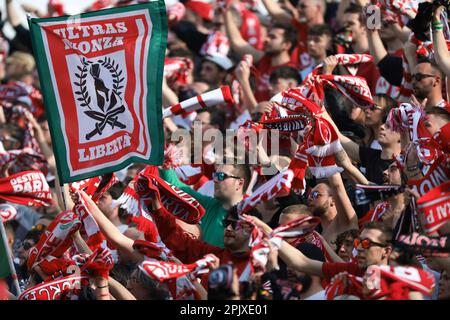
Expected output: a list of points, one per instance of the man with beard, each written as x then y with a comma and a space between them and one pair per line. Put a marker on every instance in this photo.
329, 201
278, 45
214, 69
230, 183
428, 82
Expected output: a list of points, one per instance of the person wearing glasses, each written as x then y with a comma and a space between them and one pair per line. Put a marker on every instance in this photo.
374, 161
230, 183
373, 245
427, 81
236, 239
329, 201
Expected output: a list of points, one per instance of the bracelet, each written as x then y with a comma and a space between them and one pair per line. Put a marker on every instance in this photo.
104, 295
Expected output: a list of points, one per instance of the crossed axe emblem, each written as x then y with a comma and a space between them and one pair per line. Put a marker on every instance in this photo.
105, 98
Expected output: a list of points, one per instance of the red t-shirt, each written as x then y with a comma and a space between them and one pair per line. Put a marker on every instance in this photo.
265, 68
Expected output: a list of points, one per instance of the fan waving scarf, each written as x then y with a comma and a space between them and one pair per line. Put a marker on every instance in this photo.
205, 100
95, 187
55, 241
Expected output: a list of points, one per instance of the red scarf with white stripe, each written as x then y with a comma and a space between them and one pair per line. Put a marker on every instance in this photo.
29, 188
54, 243
395, 283
95, 187
205, 100
163, 270
277, 186
352, 285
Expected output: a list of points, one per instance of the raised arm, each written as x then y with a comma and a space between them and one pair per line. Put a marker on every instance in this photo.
110, 231
342, 160
298, 261
11, 11
440, 45
242, 73
376, 46
345, 210
290, 255
239, 45
276, 12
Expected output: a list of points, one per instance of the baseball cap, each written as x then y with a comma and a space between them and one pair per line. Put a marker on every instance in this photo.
222, 61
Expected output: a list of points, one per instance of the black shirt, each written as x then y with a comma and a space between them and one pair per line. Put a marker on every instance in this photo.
371, 160
391, 68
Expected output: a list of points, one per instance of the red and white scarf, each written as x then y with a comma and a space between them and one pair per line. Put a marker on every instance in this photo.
95, 187
163, 270
395, 283
26, 188
352, 285
216, 43
177, 70
205, 100
277, 185
321, 144
56, 289
90, 226
435, 205
355, 88
7, 212
54, 242
412, 118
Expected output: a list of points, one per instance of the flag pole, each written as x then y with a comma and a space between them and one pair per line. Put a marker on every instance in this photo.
9, 257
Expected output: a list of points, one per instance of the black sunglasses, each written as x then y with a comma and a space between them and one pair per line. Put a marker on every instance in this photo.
227, 222
221, 176
420, 76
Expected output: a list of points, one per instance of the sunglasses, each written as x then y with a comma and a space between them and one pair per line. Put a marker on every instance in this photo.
227, 222
375, 107
315, 195
420, 76
367, 243
221, 176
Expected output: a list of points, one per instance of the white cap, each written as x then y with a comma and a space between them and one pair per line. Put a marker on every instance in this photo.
222, 61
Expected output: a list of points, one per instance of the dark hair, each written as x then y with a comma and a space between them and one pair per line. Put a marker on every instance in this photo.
233, 213
15, 131
342, 236
356, 8
381, 226
438, 111
34, 234
289, 35
320, 30
243, 171
285, 72
116, 190
433, 64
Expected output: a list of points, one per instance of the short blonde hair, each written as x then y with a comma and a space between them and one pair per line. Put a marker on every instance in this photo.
24, 59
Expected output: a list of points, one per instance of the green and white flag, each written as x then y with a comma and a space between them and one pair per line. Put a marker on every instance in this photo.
4, 266
101, 76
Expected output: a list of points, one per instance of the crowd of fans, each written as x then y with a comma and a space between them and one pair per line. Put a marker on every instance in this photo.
360, 227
